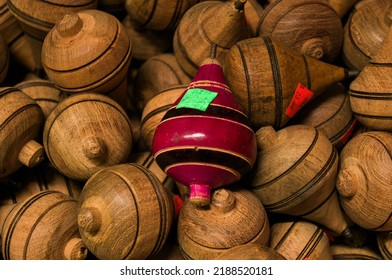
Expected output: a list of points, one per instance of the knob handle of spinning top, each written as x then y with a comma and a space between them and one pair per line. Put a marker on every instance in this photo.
223, 200
94, 148
31, 154
90, 220
69, 25
350, 179
75, 249
315, 48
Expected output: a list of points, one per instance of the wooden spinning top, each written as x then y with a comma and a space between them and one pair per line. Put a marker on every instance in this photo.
88, 51
371, 92
342, 7
206, 23
272, 82
365, 31
85, 133
124, 212
310, 27
365, 178
21, 123
295, 174
348, 252
384, 244
43, 227
299, 240
234, 217
204, 140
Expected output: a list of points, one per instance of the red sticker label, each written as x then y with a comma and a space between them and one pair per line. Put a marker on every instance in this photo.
302, 95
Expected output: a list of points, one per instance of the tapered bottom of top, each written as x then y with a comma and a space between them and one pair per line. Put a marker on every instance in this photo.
200, 194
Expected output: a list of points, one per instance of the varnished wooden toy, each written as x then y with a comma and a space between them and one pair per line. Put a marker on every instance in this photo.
154, 111
300, 240
88, 51
146, 42
4, 59
371, 92
44, 92
295, 174
331, 114
124, 212
384, 244
234, 217
29, 181
85, 133
365, 31
250, 251
43, 227
158, 15
220, 23
264, 76
253, 12
342, 7
147, 160
37, 17
21, 123
348, 252
156, 74
310, 27
204, 140
15, 38
365, 178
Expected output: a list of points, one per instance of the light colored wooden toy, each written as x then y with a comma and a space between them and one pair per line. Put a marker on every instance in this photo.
85, 133
21, 124
253, 12
124, 212
88, 51
310, 27
273, 82
331, 114
365, 178
43, 227
351, 253
155, 109
371, 92
300, 240
250, 251
207, 23
44, 92
234, 217
157, 74
365, 31
295, 174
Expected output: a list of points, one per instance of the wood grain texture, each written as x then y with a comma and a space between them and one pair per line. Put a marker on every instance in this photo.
364, 180
342, 7
310, 27
146, 42
88, 51
348, 252
235, 217
331, 114
253, 12
44, 92
295, 174
155, 75
218, 23
124, 212
300, 240
364, 32
85, 133
158, 15
43, 227
370, 92
21, 124
155, 109
263, 75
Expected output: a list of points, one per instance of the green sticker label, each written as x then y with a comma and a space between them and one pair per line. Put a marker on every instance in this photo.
197, 98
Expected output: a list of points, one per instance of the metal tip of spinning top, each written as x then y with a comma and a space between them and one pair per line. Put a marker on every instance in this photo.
350, 239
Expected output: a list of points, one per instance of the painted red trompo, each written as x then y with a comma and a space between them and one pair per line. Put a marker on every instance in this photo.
205, 149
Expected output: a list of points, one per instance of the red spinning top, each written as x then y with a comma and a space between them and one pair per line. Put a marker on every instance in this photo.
204, 140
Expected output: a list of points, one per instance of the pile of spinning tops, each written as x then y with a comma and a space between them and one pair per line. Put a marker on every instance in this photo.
192, 129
